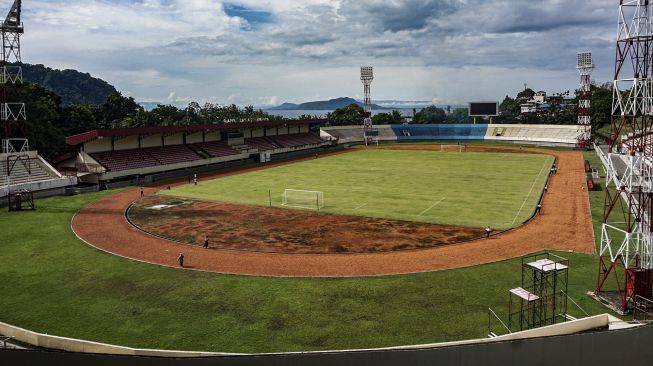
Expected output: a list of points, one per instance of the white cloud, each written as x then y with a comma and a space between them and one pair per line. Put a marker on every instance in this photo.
452, 50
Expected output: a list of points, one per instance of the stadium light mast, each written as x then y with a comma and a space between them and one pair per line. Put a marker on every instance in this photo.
12, 113
584, 65
626, 242
367, 76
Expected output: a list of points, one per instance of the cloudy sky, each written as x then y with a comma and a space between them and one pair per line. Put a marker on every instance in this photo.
271, 51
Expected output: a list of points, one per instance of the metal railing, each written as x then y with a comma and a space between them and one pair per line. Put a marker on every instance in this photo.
575, 303
4, 340
490, 314
642, 309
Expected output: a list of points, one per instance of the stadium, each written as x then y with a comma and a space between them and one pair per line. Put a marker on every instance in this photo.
294, 241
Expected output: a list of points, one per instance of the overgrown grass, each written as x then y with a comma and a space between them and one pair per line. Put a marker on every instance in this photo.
468, 189
53, 283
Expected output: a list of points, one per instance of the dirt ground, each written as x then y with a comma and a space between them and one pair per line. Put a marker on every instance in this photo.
276, 230
564, 224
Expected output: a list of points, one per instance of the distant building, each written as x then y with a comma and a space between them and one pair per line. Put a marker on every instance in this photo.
541, 103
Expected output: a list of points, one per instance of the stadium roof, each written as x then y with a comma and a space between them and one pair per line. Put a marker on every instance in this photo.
122, 132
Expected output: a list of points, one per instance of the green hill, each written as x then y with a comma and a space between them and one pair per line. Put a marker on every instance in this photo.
72, 86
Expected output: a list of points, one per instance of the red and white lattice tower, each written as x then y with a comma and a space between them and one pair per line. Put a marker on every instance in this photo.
584, 65
367, 76
626, 246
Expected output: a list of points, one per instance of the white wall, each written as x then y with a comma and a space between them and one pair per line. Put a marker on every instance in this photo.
271, 131
258, 132
195, 138
127, 143
98, 145
176, 139
151, 141
293, 129
212, 136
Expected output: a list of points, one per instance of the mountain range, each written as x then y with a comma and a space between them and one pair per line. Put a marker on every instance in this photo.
322, 105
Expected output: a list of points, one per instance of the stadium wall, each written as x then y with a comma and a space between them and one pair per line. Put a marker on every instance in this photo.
538, 347
553, 135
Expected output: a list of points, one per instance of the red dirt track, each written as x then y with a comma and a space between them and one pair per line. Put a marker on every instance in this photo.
564, 224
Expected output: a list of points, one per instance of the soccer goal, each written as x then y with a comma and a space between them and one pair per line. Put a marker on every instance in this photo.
312, 200
454, 148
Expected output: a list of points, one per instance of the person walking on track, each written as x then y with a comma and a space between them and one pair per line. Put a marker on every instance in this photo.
488, 231
180, 259
206, 241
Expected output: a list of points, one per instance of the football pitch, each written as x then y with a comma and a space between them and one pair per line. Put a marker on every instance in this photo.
467, 189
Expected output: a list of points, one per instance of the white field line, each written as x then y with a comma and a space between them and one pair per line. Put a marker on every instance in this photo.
529, 193
361, 206
433, 205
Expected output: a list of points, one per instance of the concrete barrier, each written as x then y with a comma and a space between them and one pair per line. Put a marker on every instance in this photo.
81, 346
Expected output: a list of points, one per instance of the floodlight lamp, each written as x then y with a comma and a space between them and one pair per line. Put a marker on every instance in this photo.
367, 73
584, 60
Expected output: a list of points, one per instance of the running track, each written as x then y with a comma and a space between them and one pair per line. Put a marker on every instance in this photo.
564, 224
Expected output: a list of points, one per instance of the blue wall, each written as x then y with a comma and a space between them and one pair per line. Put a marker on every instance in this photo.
442, 132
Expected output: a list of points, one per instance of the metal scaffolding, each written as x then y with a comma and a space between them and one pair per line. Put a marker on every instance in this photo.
542, 298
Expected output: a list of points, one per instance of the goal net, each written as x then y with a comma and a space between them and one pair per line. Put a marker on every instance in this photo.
454, 148
312, 200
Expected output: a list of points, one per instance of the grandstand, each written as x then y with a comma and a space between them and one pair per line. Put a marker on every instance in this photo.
39, 177
116, 154
347, 134
448, 132
557, 134
540, 134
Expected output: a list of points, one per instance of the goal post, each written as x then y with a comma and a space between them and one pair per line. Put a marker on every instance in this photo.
311, 200
453, 148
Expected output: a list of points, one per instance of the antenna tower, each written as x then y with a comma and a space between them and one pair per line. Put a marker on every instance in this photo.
369, 134
626, 241
584, 65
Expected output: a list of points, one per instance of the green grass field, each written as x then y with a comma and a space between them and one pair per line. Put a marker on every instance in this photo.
467, 189
54, 283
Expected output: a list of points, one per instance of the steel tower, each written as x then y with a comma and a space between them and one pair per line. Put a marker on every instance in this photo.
367, 76
12, 113
626, 245
584, 66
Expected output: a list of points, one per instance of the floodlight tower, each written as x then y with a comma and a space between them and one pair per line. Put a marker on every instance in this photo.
12, 113
367, 76
584, 65
626, 242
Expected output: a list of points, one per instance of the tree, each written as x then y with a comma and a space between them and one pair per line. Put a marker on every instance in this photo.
509, 107
430, 114
352, 114
527, 93
391, 118
116, 108
459, 115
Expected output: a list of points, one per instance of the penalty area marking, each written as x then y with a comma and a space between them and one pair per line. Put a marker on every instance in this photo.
529, 193
433, 205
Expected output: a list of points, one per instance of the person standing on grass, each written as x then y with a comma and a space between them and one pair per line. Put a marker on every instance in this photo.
195, 178
206, 242
180, 259
488, 231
